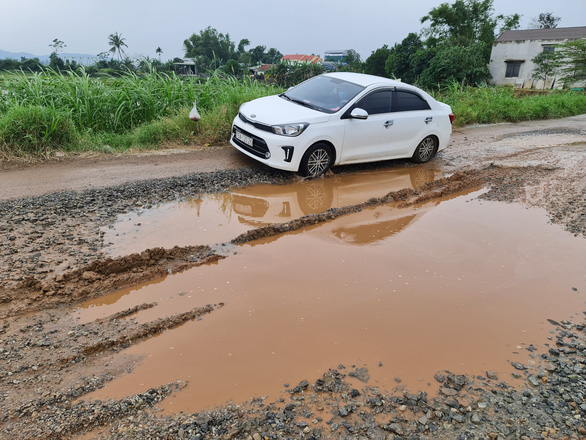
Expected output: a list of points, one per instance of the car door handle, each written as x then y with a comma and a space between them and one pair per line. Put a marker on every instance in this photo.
388, 124
428, 119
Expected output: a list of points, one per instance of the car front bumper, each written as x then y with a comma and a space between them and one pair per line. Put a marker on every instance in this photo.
281, 152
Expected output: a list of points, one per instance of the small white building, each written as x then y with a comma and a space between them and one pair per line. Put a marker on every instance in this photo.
512, 52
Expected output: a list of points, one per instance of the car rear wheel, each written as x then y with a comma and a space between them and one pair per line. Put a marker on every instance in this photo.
425, 150
316, 160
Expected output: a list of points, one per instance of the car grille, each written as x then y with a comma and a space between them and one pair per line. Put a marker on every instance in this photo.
259, 146
258, 125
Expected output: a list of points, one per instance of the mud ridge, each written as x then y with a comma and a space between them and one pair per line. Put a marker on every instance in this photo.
52, 418
145, 330
101, 277
128, 312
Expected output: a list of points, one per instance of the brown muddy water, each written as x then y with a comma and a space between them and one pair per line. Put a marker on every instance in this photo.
459, 284
217, 218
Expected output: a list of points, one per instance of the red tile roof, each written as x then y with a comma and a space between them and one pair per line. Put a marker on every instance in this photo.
312, 59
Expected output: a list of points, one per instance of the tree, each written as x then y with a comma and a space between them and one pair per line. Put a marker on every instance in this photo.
212, 44
547, 65
159, 51
545, 20
375, 63
116, 42
459, 41
272, 56
461, 64
232, 67
257, 54
242, 45
57, 46
353, 62
466, 22
55, 62
400, 63
573, 61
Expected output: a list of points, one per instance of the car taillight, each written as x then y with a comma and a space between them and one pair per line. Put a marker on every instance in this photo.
452, 117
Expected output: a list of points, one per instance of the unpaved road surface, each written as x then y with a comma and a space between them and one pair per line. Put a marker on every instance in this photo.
52, 257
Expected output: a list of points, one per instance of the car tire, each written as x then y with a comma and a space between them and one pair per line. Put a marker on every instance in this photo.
426, 150
316, 161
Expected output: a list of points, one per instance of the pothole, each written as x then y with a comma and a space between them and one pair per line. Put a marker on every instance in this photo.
455, 283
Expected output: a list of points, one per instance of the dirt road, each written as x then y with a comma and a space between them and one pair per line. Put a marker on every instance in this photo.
52, 222
470, 147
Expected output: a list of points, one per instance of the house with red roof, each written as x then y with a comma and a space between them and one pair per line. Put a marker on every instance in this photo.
301, 59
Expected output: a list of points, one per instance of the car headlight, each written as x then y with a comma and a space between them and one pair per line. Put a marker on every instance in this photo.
290, 129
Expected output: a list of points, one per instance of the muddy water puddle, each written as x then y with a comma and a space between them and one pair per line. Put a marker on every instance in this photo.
458, 284
216, 218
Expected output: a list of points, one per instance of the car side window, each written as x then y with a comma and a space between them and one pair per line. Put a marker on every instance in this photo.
377, 102
407, 101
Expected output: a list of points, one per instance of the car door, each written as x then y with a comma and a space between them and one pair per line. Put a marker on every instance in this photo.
412, 119
368, 139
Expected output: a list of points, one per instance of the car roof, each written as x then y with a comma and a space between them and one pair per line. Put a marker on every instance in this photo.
365, 80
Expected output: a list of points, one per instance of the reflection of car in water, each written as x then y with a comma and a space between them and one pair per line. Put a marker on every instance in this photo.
265, 204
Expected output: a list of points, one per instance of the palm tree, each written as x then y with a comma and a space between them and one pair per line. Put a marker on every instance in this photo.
159, 51
117, 42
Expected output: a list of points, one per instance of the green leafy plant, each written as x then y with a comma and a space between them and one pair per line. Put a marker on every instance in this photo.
35, 130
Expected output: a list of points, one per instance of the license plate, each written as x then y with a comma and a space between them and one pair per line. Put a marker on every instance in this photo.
243, 138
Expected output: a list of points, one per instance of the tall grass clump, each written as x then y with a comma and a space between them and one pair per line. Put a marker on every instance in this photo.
486, 105
103, 105
146, 109
36, 130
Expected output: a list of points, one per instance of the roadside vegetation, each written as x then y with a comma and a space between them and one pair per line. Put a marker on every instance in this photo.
118, 104
49, 111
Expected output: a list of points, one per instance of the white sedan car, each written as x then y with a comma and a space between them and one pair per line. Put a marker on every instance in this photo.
342, 118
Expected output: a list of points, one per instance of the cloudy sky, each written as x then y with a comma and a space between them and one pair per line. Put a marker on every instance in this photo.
302, 26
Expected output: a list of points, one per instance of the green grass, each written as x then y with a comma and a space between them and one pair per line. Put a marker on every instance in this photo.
113, 114
47, 111
488, 105
37, 130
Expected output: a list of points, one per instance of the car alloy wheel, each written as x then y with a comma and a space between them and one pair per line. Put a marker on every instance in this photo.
317, 161
425, 150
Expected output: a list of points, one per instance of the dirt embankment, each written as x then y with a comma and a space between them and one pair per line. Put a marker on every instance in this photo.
50, 252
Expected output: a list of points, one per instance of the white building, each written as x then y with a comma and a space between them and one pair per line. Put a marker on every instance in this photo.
512, 52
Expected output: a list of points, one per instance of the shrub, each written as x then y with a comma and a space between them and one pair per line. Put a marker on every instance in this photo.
35, 130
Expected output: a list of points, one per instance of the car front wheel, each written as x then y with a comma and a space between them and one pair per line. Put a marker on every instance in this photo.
425, 150
316, 160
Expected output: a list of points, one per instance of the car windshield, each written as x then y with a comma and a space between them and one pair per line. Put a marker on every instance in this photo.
323, 93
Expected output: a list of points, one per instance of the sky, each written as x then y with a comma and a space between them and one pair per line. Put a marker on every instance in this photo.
302, 26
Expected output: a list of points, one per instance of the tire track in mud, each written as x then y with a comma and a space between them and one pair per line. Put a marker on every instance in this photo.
91, 347
143, 332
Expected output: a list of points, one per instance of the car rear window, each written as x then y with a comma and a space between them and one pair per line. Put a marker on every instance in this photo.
377, 102
408, 101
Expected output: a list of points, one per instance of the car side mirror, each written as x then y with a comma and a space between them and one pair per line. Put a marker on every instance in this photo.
359, 113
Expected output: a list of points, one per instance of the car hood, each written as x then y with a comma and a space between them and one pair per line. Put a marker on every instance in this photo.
272, 110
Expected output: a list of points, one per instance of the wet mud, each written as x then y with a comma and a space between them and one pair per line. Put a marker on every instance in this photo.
428, 309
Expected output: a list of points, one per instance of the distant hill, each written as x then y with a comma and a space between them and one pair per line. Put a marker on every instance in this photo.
81, 58
15, 55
